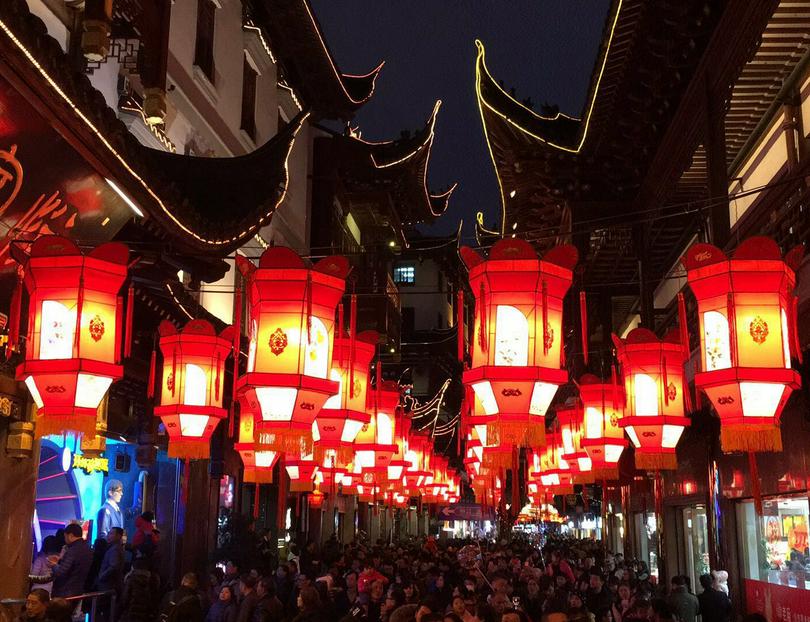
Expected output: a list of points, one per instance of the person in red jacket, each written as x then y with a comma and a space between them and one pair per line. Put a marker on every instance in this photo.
146, 536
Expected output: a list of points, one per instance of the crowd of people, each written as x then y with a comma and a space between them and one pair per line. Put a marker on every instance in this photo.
420, 580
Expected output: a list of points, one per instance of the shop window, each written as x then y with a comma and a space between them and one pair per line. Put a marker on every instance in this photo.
204, 43
405, 274
775, 545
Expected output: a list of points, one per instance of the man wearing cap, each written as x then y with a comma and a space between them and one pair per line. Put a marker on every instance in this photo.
110, 514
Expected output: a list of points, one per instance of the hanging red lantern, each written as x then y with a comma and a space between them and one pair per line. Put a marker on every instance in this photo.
602, 412
571, 433
417, 459
301, 470
291, 323
316, 499
556, 474
343, 415
747, 337
517, 353
258, 465
331, 471
73, 352
653, 380
192, 385
375, 445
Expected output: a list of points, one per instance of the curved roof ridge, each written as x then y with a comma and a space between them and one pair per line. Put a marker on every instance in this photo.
391, 153
440, 202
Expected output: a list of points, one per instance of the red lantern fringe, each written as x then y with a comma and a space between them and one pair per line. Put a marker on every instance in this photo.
237, 346
656, 462
756, 490
750, 437
352, 339
294, 442
522, 434
14, 319
189, 449
47, 425
128, 327
258, 476
150, 386
583, 319
343, 455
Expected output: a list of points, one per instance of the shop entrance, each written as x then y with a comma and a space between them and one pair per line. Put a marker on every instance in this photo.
696, 542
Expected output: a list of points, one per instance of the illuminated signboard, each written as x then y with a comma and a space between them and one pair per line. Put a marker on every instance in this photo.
91, 465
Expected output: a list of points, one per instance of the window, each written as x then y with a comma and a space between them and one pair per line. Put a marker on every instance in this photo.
204, 44
405, 274
249, 78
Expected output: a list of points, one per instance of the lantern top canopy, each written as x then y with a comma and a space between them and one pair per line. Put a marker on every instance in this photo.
513, 249
58, 246
758, 248
283, 258
203, 328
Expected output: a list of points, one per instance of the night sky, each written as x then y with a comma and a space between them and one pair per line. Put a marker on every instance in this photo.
545, 49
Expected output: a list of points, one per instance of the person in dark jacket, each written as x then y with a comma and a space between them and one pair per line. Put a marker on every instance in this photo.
224, 609
35, 605
249, 600
111, 573
310, 608
70, 571
599, 596
140, 597
183, 604
715, 606
269, 607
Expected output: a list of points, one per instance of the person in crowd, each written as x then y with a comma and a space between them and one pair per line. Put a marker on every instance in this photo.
146, 538
69, 571
599, 596
40, 566
682, 603
141, 586
111, 573
310, 608
248, 598
577, 611
110, 514
714, 604
269, 608
232, 576
36, 604
59, 610
224, 609
183, 604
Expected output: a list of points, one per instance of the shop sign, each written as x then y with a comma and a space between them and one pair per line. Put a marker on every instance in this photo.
778, 603
91, 465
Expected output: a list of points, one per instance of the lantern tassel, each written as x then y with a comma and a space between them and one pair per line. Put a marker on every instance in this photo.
545, 336
460, 325
583, 320
794, 329
482, 318
750, 437
150, 386
128, 323
656, 461
78, 329
14, 319
684, 329
352, 340
194, 449
237, 342
756, 490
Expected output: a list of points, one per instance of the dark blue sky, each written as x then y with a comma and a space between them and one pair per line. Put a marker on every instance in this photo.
546, 49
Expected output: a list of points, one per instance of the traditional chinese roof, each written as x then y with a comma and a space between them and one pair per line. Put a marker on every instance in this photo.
385, 182
623, 154
191, 201
299, 45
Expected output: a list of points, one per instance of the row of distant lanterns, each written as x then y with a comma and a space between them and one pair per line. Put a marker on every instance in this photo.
307, 393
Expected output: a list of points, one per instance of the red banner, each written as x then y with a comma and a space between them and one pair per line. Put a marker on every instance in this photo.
778, 603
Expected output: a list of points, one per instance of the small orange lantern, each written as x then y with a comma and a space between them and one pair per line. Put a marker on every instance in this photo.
291, 323
192, 385
417, 457
748, 333
375, 445
343, 415
316, 499
301, 470
74, 332
258, 465
517, 353
571, 433
653, 382
602, 412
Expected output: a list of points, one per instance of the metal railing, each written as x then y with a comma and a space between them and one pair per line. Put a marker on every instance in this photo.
91, 596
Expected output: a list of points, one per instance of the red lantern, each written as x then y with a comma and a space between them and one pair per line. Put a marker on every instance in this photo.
258, 465
301, 471
653, 382
417, 457
556, 474
74, 331
291, 322
603, 437
516, 356
343, 415
316, 499
375, 445
192, 385
571, 433
747, 336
